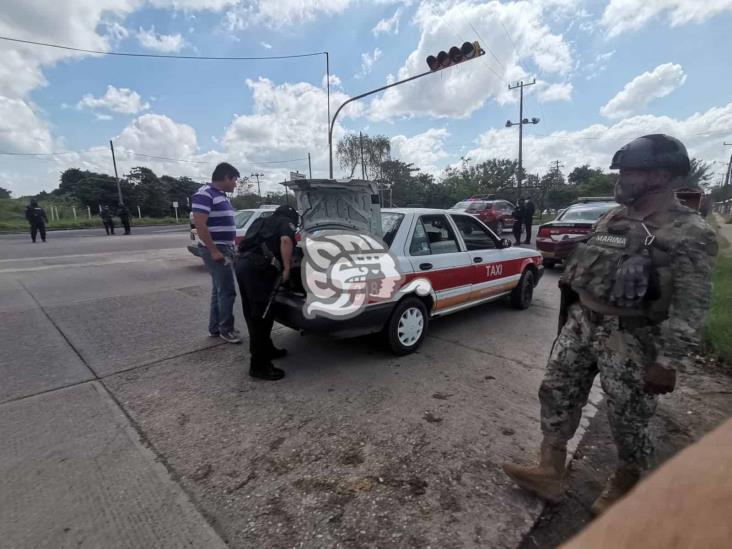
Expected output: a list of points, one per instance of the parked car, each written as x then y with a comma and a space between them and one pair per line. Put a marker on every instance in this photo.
465, 262
242, 218
496, 213
557, 239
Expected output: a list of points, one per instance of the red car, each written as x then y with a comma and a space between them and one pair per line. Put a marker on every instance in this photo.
496, 213
557, 239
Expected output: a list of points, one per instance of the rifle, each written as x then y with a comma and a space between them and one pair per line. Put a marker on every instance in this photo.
273, 295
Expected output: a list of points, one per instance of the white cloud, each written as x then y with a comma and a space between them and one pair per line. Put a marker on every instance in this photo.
599, 65
640, 91
193, 5
281, 13
158, 135
116, 32
21, 130
459, 91
122, 100
266, 45
595, 145
288, 121
626, 15
367, 62
425, 150
164, 43
388, 26
555, 92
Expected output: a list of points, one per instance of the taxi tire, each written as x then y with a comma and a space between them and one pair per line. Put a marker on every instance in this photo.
392, 327
522, 294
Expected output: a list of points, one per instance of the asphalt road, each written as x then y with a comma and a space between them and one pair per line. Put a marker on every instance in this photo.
122, 420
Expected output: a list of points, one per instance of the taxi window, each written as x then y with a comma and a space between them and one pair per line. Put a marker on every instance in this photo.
242, 217
433, 235
390, 223
475, 235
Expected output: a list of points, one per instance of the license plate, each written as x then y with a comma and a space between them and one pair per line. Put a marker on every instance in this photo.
548, 254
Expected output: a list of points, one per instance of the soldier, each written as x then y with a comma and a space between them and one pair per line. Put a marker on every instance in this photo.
107, 219
518, 220
36, 216
124, 216
528, 219
634, 298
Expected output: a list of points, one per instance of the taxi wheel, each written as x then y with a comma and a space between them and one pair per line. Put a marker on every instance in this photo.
522, 294
407, 326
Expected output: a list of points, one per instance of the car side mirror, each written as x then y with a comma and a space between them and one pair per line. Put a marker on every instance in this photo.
505, 243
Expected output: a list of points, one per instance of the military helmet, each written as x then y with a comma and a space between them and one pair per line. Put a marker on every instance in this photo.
653, 152
289, 212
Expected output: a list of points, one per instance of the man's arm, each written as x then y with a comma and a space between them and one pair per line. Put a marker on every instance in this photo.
43, 215
199, 219
692, 262
286, 248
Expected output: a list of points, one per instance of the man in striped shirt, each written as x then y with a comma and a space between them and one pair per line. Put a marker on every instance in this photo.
213, 216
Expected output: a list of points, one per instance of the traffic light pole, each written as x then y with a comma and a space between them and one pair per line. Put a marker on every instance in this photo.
377, 90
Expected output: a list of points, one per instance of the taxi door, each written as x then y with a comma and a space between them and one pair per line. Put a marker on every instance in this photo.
435, 253
486, 257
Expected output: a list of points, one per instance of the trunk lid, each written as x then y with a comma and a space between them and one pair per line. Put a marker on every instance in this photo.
332, 204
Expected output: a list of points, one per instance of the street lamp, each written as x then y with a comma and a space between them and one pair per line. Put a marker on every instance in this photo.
522, 121
259, 190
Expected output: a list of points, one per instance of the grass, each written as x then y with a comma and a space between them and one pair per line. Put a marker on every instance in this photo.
718, 330
12, 217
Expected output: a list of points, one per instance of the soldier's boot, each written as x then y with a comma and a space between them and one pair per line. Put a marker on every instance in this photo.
620, 483
546, 480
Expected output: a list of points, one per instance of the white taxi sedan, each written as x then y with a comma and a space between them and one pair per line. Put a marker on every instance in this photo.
243, 220
465, 262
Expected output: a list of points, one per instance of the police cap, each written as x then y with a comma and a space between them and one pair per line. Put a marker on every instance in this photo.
289, 212
653, 152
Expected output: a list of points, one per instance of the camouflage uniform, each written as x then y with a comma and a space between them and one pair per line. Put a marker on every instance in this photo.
620, 342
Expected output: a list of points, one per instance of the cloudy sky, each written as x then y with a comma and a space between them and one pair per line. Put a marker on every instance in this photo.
606, 71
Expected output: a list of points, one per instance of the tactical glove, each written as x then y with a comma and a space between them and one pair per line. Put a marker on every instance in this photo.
631, 281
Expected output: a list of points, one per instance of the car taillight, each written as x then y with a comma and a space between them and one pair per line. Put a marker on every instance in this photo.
543, 232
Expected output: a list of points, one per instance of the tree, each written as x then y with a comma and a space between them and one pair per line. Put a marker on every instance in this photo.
152, 193
700, 173
376, 150
5, 193
582, 174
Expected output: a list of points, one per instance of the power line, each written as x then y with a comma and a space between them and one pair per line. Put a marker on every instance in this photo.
486, 45
164, 158
162, 56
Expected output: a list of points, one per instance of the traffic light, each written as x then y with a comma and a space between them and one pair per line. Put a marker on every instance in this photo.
454, 56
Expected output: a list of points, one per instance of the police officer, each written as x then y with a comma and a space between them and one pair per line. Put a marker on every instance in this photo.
634, 298
528, 220
36, 216
124, 216
265, 260
107, 219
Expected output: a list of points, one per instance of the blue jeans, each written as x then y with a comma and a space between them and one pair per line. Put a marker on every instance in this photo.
223, 291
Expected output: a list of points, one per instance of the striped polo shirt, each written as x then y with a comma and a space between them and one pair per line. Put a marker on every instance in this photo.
213, 202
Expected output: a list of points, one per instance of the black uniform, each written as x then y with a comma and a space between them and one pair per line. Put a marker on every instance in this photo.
529, 210
107, 219
36, 216
518, 221
258, 272
124, 217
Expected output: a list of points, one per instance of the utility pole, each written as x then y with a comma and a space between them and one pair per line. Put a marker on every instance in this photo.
259, 190
363, 166
556, 165
521, 85
119, 189
728, 175
310, 167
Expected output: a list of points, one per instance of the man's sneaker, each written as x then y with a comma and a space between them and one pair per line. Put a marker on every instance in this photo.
231, 336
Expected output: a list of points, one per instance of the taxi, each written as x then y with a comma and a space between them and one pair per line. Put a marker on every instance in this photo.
243, 220
465, 262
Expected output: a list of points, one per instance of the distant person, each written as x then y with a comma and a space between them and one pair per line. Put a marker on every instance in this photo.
124, 216
36, 216
529, 210
107, 219
213, 216
518, 220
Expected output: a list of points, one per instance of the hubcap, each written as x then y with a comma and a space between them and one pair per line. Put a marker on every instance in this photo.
411, 325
